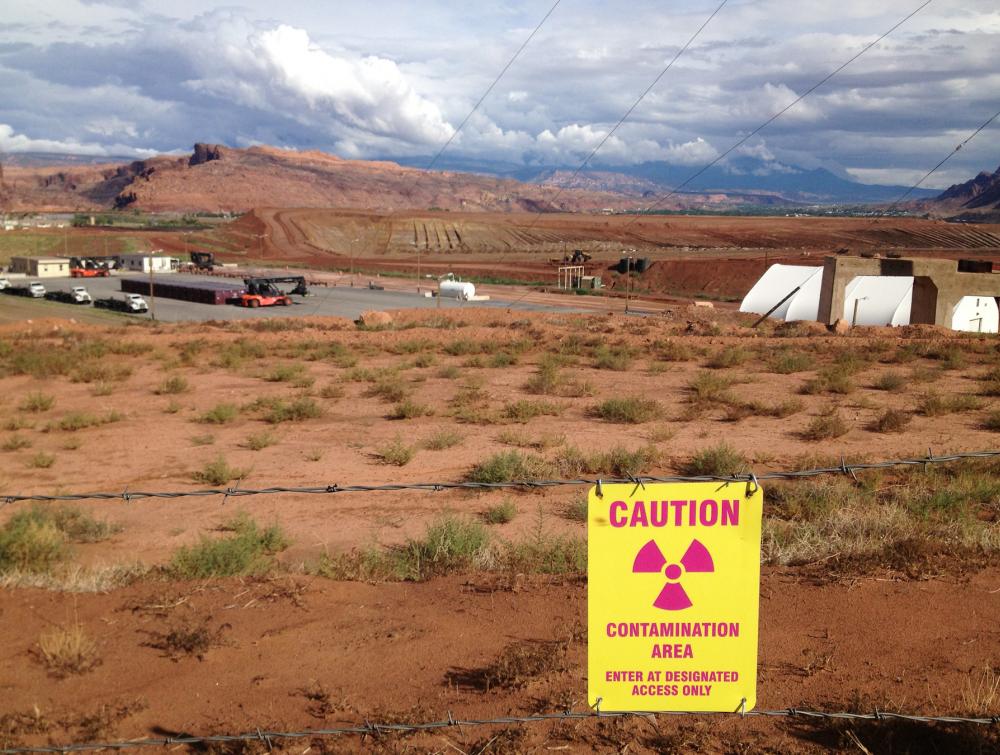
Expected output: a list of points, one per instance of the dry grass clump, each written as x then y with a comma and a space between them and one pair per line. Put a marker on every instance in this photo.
391, 390
172, 386
933, 404
628, 410
730, 356
617, 461
37, 402
68, 650
260, 441
892, 421
710, 388
992, 422
524, 410
218, 472
889, 381
549, 380
908, 520
396, 452
188, 637
41, 460
613, 357
220, 414
829, 380
409, 409
786, 361
721, 460
826, 426
509, 466
501, 513
35, 541
15, 443
442, 440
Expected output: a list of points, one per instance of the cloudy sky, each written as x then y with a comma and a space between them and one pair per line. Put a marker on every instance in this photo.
126, 77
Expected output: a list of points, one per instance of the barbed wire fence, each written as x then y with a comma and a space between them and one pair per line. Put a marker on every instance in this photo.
751, 478
368, 728
269, 738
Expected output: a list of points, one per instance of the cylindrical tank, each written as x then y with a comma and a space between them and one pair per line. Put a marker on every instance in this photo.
457, 290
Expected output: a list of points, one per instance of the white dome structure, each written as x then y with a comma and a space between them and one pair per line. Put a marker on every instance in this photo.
976, 314
878, 300
777, 282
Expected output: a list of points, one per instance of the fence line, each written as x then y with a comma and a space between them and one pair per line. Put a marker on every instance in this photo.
376, 729
747, 477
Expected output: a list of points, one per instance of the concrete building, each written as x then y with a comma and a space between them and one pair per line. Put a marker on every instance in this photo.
40, 267
943, 292
141, 263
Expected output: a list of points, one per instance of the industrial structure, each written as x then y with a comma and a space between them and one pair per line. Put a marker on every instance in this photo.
958, 294
40, 267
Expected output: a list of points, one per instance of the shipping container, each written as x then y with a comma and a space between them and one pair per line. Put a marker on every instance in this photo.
202, 292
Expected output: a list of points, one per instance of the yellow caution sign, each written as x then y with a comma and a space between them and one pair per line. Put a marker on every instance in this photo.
673, 596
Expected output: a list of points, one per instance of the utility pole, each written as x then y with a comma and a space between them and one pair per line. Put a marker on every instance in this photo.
152, 293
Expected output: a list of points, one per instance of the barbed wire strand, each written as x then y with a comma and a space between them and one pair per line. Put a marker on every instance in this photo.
377, 729
748, 477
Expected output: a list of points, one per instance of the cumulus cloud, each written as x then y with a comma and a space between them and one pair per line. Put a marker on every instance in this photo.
10, 141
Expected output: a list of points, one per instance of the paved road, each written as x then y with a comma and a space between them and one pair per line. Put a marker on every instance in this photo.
339, 301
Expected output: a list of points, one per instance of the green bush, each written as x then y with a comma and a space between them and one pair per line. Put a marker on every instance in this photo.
296, 410
892, 421
442, 439
16, 443
787, 361
260, 441
248, 550
409, 409
396, 452
41, 460
730, 356
889, 381
35, 540
525, 410
826, 426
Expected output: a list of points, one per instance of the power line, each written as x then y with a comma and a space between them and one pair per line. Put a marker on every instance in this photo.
950, 155
748, 477
266, 737
484, 96
639, 99
781, 112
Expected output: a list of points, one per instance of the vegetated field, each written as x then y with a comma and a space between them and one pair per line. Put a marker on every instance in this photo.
287, 611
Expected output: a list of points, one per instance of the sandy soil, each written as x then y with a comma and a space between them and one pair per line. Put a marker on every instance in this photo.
417, 651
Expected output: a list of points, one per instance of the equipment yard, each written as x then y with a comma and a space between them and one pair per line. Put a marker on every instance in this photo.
152, 617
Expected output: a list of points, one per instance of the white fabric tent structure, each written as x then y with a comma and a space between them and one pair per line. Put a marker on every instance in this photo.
777, 282
878, 300
976, 314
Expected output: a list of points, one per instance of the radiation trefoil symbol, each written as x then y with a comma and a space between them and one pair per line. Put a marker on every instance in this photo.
672, 597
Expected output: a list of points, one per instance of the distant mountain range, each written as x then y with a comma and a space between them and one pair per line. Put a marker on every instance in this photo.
219, 178
747, 176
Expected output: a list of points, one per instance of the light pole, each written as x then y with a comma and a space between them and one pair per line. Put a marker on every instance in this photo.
152, 292
417, 245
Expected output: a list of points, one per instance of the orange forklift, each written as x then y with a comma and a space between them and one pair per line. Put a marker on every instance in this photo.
262, 292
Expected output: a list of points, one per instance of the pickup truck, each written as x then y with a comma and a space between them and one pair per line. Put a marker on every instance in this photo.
76, 295
35, 290
132, 303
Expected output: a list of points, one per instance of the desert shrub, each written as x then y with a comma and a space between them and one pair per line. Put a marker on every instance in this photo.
991, 382
628, 410
30, 544
37, 402
889, 381
708, 387
260, 441
16, 443
501, 513
68, 650
99, 372
172, 386
41, 460
721, 460
218, 472
508, 466
613, 357
674, 351
546, 554
730, 356
409, 409
82, 420
220, 414
449, 544
503, 359
297, 410
992, 422
826, 426
449, 372
577, 511
787, 361
934, 404
547, 379
391, 390
285, 373
442, 439
892, 421
524, 410
248, 549
829, 380
234, 354
617, 461
396, 452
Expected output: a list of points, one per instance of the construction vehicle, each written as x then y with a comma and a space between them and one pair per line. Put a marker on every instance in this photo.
262, 292
87, 267
131, 303
203, 260
76, 295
